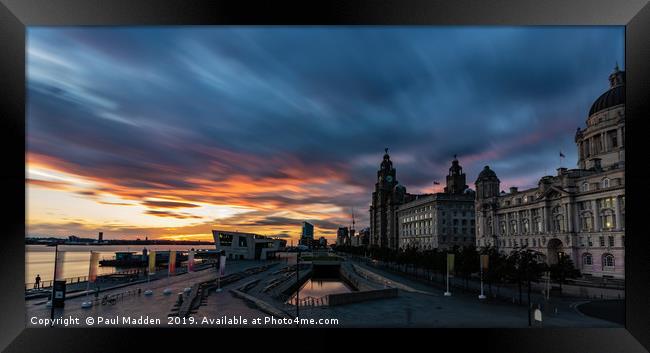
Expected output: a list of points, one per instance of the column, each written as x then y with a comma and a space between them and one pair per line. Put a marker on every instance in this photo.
569, 217
547, 219
617, 212
594, 208
576, 217
619, 135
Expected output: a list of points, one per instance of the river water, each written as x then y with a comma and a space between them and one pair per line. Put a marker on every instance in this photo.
39, 259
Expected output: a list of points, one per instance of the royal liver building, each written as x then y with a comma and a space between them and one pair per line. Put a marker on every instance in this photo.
578, 212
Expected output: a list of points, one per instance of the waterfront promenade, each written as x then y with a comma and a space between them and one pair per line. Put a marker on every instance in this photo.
417, 304
158, 305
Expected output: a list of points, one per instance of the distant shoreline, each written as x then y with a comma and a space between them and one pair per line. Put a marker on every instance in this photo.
115, 242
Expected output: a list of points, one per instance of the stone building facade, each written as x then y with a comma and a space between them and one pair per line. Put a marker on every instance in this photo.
426, 221
440, 220
578, 212
388, 195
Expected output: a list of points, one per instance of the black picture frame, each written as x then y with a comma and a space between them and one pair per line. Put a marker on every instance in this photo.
15, 15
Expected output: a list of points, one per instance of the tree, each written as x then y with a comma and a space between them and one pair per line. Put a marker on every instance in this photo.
468, 262
526, 267
563, 270
496, 271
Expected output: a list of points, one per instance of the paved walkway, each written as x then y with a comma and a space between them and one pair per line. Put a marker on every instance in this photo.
424, 306
156, 306
462, 309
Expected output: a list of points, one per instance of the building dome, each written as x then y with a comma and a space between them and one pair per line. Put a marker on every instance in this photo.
614, 96
487, 174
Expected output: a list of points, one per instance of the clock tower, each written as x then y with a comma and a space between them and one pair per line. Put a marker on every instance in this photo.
386, 179
387, 196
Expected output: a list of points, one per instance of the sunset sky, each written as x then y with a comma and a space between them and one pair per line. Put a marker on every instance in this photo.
170, 132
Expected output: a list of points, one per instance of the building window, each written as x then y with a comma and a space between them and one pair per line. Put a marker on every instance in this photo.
622, 210
534, 242
602, 241
613, 139
610, 240
586, 222
606, 202
607, 220
586, 259
584, 187
558, 224
225, 239
589, 241
608, 261
604, 183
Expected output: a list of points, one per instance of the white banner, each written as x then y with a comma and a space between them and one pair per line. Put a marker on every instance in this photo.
92, 270
190, 261
60, 260
222, 265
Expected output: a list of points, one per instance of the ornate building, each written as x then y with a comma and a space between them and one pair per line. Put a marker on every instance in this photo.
426, 221
387, 196
578, 212
440, 220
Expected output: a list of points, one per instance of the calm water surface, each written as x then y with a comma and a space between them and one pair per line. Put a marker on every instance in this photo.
39, 259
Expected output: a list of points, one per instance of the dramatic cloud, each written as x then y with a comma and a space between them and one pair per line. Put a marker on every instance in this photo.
260, 128
169, 204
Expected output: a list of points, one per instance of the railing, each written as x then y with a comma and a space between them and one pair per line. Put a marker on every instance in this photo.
112, 299
312, 301
81, 279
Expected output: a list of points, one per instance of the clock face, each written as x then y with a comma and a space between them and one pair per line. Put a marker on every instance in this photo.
389, 178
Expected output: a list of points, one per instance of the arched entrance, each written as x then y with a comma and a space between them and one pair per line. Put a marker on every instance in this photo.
555, 249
